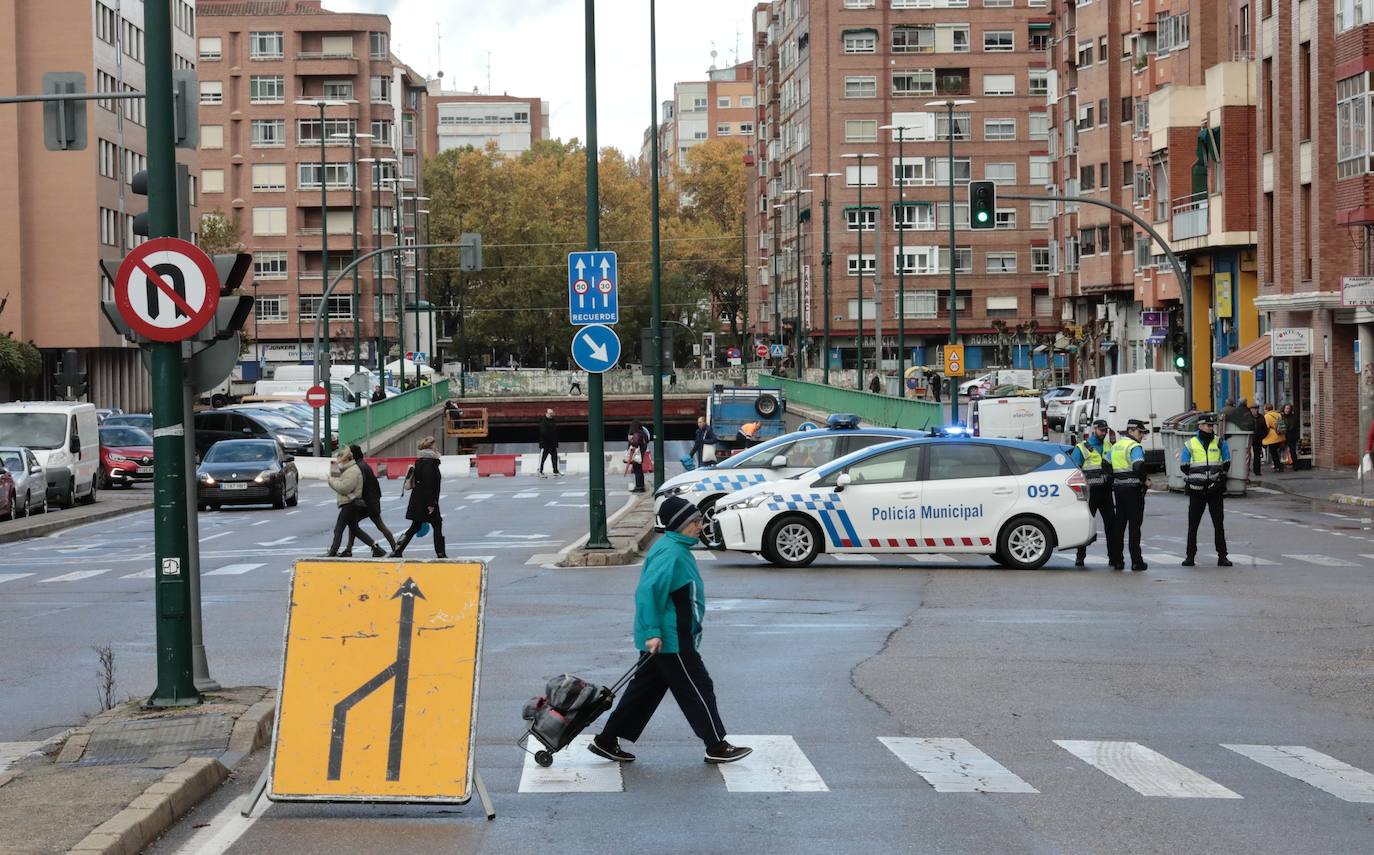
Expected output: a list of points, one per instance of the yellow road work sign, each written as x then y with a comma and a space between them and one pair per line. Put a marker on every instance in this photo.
378, 696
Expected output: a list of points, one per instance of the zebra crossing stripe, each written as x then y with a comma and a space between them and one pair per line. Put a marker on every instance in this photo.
233, 570
474, 496
854, 557
1252, 560
10, 577
525, 496
574, 770
955, 766
1162, 558
1328, 774
703, 555
142, 574
776, 766
74, 576
1322, 560
932, 558
1146, 771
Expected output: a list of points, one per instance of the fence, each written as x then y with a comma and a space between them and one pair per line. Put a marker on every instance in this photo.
872, 409
355, 424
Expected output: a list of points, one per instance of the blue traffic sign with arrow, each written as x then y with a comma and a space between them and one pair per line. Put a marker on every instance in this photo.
593, 288
596, 348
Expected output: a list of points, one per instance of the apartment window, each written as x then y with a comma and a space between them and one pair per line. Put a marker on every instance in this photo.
1002, 173
913, 39
914, 216
1038, 39
265, 46
1104, 239
135, 109
1039, 126
381, 87
269, 222
338, 90
1127, 109
133, 41
1349, 14
1270, 104
1001, 307
378, 45
1142, 186
407, 166
212, 180
1102, 112
861, 219
746, 128
1085, 118
268, 132
212, 136
963, 260
267, 89
269, 265
860, 4
1005, 218
1127, 173
723, 129
922, 305
1040, 213
108, 156
869, 176
308, 131
914, 82
340, 305
855, 41
999, 130
185, 17
869, 262
268, 309
1039, 169
1126, 237
999, 84
336, 175
1104, 179
746, 100
963, 170
1087, 177
269, 177
1039, 81
105, 21
861, 87
109, 227
960, 214
998, 41
383, 220
963, 126
1171, 32
1001, 262
105, 83
383, 132
211, 92
698, 105
1352, 125
958, 36
1087, 242
1003, 4
908, 171
134, 163
1141, 114
1085, 55
1143, 259
1040, 259
1305, 98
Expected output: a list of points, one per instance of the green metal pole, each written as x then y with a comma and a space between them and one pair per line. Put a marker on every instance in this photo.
859, 342
377, 270
775, 277
744, 342
901, 262
655, 286
175, 677
462, 321
953, 288
357, 276
597, 536
825, 270
327, 435
796, 330
399, 209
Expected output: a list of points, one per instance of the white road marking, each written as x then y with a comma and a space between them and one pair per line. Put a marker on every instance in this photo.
224, 830
525, 496
1322, 560
562, 505
327, 502
280, 541
573, 494
262, 522
574, 770
10, 577
233, 570
1267, 490
1162, 558
1328, 774
1146, 771
213, 536
932, 558
703, 555
74, 576
854, 557
478, 495
293, 513
776, 766
1241, 558
12, 752
955, 766
142, 574
1337, 516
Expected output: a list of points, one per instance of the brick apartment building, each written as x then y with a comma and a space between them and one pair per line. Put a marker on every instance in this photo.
62, 212
455, 120
264, 66
719, 107
831, 73
1152, 106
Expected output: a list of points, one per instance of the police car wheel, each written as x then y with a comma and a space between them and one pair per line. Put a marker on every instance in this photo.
792, 542
709, 536
1025, 544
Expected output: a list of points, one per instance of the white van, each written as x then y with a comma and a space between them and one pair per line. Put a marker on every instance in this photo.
1151, 396
1023, 377
65, 438
297, 389
1012, 417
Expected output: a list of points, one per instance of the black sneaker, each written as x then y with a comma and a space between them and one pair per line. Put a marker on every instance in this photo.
610, 749
1078, 562
1118, 566
1188, 562
378, 551
1223, 562
724, 752
347, 553
1138, 568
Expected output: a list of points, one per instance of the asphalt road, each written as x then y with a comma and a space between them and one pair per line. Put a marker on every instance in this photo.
940, 705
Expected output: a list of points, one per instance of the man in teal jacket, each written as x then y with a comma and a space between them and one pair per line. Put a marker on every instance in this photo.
669, 607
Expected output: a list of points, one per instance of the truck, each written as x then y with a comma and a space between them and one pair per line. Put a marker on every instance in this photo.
729, 409
1009, 417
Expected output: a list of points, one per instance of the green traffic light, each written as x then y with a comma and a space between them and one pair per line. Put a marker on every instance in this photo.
1180, 362
982, 216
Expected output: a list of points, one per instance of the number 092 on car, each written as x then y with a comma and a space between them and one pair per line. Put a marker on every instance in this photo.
1017, 501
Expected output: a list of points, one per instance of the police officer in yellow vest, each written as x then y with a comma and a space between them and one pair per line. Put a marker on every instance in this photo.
1206, 460
1128, 492
1091, 456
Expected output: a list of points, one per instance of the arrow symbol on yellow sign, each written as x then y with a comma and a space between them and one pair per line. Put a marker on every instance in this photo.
399, 671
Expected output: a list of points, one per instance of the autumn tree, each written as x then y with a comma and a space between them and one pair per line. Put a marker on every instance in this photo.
710, 226
220, 233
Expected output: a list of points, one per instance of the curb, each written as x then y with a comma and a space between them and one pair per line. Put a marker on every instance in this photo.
58, 523
1345, 499
131, 830
611, 557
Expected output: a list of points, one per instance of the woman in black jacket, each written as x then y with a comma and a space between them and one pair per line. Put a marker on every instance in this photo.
424, 500
372, 496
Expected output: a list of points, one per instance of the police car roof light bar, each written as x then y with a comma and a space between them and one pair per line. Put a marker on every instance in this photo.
842, 421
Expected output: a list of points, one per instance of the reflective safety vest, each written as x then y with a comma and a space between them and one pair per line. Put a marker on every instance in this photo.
1204, 464
1122, 475
1093, 459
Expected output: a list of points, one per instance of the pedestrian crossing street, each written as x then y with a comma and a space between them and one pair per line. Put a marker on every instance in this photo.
952, 765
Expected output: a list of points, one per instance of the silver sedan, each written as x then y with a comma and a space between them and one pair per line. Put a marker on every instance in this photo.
30, 484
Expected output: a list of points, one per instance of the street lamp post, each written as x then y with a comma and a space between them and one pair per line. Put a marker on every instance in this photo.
775, 274
949, 104
825, 268
797, 336
655, 266
901, 255
377, 261
415, 298
859, 339
353, 137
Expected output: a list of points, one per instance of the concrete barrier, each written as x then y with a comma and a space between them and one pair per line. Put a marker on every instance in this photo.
461, 465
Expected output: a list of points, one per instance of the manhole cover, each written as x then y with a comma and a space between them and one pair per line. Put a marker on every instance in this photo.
131, 742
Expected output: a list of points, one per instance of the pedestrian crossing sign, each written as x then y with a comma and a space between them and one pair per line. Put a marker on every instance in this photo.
378, 693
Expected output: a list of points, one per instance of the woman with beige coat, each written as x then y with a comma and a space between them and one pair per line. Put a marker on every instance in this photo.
347, 482
1275, 440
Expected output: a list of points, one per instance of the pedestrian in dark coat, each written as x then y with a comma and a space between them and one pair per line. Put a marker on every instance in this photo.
372, 497
1261, 430
424, 500
636, 449
704, 443
548, 442
1290, 416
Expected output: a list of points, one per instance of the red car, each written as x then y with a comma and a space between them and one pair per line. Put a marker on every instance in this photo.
126, 456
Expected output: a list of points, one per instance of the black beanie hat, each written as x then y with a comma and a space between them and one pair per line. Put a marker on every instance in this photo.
676, 512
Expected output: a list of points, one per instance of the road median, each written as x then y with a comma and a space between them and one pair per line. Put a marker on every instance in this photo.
108, 505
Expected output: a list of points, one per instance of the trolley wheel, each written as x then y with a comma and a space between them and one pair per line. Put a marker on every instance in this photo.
543, 758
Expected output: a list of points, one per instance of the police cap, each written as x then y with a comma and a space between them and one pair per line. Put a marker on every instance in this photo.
1135, 424
1101, 423
1207, 419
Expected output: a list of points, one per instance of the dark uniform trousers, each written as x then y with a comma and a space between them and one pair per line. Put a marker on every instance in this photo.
685, 675
1211, 502
1100, 503
1130, 513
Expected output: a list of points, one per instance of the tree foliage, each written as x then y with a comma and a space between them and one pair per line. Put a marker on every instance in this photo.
19, 360
220, 233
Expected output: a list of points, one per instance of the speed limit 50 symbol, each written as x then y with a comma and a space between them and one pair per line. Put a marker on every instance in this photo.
167, 289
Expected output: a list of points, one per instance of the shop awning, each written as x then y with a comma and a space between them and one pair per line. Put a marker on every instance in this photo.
1248, 357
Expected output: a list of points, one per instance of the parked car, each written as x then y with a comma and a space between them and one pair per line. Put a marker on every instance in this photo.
126, 456
65, 439
106, 412
142, 421
9, 502
30, 483
247, 472
296, 437
1058, 401
985, 383
214, 426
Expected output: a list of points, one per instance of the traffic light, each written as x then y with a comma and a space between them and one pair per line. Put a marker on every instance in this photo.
139, 184
982, 205
64, 122
234, 309
69, 381
1180, 346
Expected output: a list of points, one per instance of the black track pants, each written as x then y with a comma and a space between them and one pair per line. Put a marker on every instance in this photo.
685, 675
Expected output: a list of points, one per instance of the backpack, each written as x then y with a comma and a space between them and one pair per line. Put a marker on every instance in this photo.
1281, 426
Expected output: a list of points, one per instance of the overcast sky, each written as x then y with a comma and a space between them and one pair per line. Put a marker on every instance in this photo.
536, 50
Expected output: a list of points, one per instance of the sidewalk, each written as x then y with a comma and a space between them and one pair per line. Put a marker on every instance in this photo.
116, 784
630, 530
1326, 485
109, 503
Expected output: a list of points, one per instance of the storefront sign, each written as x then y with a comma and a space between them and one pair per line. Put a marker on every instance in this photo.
1357, 290
1221, 284
1292, 341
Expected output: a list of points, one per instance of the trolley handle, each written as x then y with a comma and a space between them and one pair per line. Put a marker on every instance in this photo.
624, 680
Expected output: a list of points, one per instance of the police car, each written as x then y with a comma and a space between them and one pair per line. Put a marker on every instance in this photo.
783, 457
1017, 501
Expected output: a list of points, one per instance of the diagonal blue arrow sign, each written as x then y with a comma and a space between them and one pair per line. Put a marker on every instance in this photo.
596, 348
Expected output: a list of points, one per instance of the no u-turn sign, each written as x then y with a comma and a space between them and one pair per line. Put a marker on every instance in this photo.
167, 289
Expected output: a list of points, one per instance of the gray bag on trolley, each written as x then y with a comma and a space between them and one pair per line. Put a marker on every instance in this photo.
550, 715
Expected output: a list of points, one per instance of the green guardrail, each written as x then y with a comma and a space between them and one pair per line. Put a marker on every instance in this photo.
872, 409
380, 415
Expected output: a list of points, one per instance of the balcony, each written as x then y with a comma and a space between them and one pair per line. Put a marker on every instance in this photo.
326, 63
1190, 218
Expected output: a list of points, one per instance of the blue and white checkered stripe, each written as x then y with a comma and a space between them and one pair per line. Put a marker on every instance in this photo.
830, 508
727, 483
809, 502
